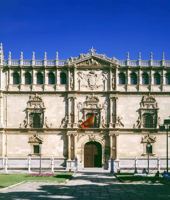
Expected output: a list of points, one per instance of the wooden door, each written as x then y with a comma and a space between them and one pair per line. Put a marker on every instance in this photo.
92, 154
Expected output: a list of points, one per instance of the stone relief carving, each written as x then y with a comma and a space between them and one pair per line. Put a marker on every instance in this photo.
64, 122
91, 137
119, 122
148, 139
35, 139
104, 125
89, 80
138, 123
92, 80
71, 81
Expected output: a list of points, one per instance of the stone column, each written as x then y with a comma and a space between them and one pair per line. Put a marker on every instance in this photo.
52, 165
74, 78
151, 77
22, 77
163, 76
75, 117
69, 146
29, 164
10, 77
45, 77
56, 77
6, 165
139, 79
68, 79
128, 77
113, 112
116, 77
69, 110
1, 111
113, 145
110, 78
158, 164
34, 77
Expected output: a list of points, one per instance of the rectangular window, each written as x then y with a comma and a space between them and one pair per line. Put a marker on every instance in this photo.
149, 148
36, 149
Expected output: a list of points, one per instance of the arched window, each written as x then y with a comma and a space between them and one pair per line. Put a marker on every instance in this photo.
148, 121
16, 78
51, 78
40, 78
63, 78
28, 78
157, 79
145, 78
133, 78
122, 78
168, 78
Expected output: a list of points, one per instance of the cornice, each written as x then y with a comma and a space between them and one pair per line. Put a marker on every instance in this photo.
74, 130
89, 92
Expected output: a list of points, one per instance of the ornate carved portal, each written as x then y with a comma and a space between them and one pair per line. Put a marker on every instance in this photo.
91, 108
35, 113
148, 113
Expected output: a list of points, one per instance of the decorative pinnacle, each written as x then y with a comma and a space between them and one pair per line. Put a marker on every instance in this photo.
163, 55
9, 55
21, 56
1, 54
45, 55
92, 50
128, 56
139, 56
33, 55
1, 47
151, 55
57, 57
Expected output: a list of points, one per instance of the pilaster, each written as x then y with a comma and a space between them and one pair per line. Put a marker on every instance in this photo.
74, 78
68, 79
113, 145
113, 112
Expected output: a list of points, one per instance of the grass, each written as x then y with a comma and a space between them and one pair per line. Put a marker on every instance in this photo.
127, 178
10, 179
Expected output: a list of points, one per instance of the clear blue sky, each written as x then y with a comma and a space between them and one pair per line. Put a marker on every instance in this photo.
71, 27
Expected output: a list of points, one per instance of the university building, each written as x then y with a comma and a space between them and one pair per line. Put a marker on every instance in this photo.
83, 112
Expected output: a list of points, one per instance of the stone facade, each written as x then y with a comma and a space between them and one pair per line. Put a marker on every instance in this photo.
44, 102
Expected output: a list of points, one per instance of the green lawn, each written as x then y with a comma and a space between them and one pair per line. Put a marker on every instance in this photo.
10, 179
128, 177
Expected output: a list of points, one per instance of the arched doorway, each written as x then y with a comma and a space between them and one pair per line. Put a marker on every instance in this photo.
92, 154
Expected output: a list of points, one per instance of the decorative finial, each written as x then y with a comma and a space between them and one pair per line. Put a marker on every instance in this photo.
128, 56
92, 50
1, 47
163, 55
1, 54
9, 55
57, 57
21, 56
139, 56
151, 55
33, 55
45, 55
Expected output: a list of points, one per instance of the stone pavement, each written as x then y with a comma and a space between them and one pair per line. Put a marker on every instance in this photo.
88, 186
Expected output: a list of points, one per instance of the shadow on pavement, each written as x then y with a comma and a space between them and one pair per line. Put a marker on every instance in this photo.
93, 186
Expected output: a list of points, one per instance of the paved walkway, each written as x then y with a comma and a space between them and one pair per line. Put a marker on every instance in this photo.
87, 186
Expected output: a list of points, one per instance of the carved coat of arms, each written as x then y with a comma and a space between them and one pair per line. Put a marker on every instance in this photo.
92, 80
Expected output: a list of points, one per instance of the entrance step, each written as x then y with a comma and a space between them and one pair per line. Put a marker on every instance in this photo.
94, 170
